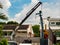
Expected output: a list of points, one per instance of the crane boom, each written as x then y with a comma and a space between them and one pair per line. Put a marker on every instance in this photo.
28, 14
31, 11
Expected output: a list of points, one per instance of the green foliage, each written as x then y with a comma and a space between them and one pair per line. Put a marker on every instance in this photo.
58, 43
3, 17
36, 30
12, 22
3, 42
2, 23
57, 33
1, 27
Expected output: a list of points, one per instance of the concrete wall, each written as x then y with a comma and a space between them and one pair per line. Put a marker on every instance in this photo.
30, 31
21, 34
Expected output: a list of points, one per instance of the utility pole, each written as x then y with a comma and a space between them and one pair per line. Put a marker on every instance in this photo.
42, 28
43, 41
41, 20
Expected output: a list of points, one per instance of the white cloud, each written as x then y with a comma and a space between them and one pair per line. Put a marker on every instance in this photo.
48, 9
6, 5
34, 1
51, 9
20, 16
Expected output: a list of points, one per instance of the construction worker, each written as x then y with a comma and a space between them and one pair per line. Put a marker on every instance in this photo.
45, 32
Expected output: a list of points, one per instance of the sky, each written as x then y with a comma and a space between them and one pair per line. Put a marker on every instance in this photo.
16, 10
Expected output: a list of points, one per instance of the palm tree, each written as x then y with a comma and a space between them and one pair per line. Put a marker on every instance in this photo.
2, 16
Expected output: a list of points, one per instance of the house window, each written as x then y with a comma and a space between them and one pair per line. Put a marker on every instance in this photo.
57, 23
52, 23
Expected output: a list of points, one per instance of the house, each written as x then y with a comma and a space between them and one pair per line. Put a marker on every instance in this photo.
23, 31
54, 23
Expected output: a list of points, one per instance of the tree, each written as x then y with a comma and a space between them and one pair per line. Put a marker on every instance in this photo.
1, 33
3, 42
2, 23
12, 22
57, 33
36, 29
3, 17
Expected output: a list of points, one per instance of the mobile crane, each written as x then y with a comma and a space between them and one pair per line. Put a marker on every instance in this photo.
27, 15
31, 11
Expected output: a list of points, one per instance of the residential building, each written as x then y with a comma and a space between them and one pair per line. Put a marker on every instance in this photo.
23, 31
54, 23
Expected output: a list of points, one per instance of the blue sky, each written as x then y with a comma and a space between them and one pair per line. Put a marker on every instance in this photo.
17, 9
17, 6
48, 1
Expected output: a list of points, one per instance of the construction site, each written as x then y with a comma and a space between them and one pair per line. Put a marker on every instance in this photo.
23, 34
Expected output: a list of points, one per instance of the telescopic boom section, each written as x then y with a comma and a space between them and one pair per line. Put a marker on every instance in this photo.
31, 11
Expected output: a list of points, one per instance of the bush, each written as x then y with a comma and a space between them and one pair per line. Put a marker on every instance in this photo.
1, 27
3, 42
36, 30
